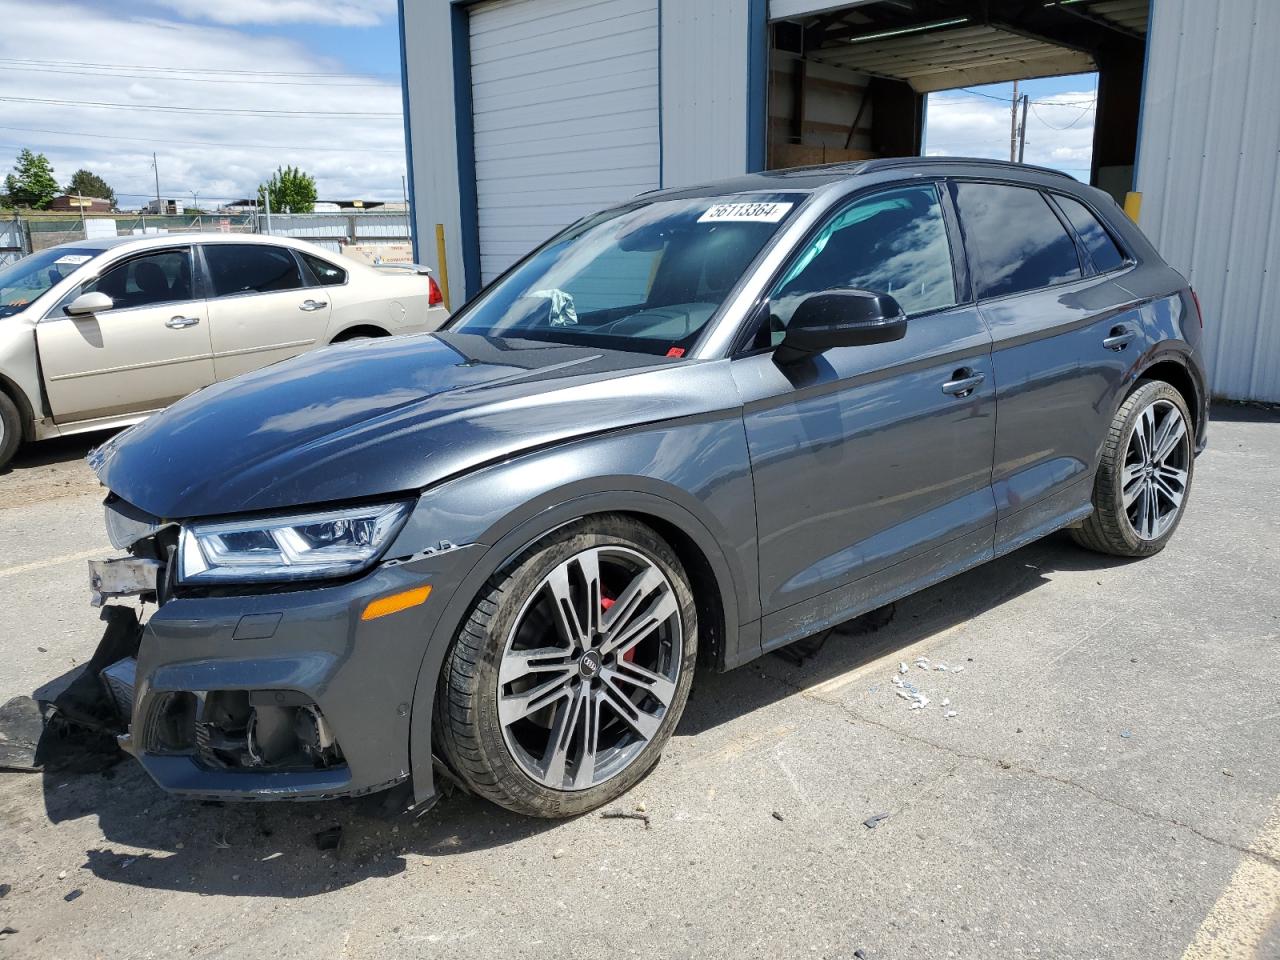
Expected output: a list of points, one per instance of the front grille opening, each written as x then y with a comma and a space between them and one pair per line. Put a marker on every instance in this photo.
277, 730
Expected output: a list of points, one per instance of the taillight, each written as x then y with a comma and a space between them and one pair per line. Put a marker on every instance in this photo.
1195, 297
434, 296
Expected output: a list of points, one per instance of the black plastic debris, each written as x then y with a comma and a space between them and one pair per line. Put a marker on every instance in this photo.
73, 895
777, 816
4, 890
21, 726
329, 839
7, 931
625, 815
85, 701
874, 820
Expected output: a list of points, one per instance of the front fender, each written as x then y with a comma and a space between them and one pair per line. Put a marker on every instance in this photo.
694, 475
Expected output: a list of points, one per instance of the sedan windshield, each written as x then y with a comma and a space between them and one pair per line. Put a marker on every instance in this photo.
28, 278
646, 277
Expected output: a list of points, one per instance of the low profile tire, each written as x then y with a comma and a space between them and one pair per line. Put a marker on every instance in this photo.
1144, 476
10, 430
569, 676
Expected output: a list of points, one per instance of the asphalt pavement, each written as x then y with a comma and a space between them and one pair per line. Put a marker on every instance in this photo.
1109, 786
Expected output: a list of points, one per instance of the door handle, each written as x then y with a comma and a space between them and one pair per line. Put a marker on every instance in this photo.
963, 382
179, 322
310, 305
1120, 338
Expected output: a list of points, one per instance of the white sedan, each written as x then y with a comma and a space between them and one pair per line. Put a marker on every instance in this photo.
98, 334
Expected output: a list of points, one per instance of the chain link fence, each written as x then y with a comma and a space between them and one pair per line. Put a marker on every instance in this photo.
20, 235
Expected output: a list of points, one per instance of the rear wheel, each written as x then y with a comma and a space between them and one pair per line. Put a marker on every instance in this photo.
10, 429
570, 674
1144, 475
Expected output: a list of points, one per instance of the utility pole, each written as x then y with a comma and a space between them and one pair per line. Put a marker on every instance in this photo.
408, 216
1022, 129
1013, 125
156, 166
80, 203
266, 196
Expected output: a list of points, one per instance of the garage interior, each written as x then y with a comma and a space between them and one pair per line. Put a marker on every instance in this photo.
850, 82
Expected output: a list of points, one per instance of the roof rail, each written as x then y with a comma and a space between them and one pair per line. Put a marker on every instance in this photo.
882, 163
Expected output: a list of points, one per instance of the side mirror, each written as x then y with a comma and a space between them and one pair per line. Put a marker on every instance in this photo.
88, 303
841, 318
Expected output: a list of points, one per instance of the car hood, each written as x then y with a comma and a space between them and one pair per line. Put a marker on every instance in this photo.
384, 416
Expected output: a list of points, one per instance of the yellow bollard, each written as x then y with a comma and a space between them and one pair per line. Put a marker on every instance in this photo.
1133, 205
444, 265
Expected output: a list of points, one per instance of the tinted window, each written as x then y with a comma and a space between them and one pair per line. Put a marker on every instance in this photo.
893, 242
161, 277
1021, 244
326, 273
250, 268
1102, 249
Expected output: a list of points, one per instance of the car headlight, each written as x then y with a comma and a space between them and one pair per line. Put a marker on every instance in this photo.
331, 543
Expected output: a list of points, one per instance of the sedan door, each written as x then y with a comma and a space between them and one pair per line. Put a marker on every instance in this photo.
872, 464
150, 349
1065, 337
260, 309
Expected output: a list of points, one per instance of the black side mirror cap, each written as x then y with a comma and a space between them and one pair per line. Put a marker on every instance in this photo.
842, 317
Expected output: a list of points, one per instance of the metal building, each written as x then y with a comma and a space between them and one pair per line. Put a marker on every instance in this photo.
523, 115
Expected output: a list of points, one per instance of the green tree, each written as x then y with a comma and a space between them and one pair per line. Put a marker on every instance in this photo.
31, 184
89, 184
290, 190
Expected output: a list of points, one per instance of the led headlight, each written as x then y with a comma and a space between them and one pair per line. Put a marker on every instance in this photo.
331, 543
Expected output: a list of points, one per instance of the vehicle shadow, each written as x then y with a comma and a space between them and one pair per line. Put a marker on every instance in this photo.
55, 451
274, 849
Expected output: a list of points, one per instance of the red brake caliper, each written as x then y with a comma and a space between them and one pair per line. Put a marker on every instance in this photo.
606, 603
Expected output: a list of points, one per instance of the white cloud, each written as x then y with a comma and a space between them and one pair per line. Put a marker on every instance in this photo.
1059, 129
365, 152
341, 13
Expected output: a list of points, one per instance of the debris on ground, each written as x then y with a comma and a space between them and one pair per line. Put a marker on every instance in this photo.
8, 931
329, 839
902, 667
73, 895
558, 854
625, 815
949, 714
874, 820
861, 954
920, 702
4, 890
21, 726
777, 816
1126, 734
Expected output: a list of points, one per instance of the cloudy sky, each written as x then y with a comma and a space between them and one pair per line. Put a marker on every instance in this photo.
226, 91
975, 122
223, 91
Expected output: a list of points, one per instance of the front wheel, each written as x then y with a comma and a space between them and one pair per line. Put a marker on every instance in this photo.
1144, 475
569, 676
10, 429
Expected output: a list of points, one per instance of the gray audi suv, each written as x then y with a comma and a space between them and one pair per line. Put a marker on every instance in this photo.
684, 432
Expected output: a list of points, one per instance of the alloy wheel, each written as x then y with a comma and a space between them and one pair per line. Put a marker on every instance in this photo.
590, 668
1157, 463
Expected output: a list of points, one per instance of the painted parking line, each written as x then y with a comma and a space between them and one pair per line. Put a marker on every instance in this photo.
1240, 919
53, 561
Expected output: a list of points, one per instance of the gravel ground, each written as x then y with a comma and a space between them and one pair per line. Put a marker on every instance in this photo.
1109, 786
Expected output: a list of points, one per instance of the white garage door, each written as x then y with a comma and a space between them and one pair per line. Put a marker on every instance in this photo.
565, 97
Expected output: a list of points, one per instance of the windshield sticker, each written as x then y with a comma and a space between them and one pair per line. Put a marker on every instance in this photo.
75, 259
746, 213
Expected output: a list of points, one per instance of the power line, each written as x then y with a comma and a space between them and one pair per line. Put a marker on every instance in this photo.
228, 111
1047, 103
272, 81
202, 143
1068, 126
171, 69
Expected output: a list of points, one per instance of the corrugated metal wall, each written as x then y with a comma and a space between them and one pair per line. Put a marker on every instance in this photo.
565, 103
1207, 169
704, 90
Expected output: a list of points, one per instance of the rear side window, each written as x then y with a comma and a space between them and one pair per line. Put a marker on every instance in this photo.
1020, 242
250, 268
1102, 249
326, 273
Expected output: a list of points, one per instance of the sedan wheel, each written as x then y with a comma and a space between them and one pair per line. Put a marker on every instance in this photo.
569, 676
1144, 474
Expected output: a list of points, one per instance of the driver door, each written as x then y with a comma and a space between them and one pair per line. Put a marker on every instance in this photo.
150, 349
872, 466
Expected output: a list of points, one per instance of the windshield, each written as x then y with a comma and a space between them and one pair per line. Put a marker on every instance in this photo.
646, 277
28, 278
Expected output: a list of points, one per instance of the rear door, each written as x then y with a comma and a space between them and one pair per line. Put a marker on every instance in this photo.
1065, 336
872, 464
260, 308
150, 349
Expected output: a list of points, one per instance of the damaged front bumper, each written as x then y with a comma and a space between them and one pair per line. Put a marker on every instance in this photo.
283, 693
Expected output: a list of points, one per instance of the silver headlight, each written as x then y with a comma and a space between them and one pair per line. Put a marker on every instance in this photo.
332, 543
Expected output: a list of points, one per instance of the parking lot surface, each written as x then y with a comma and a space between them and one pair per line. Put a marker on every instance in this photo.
1109, 786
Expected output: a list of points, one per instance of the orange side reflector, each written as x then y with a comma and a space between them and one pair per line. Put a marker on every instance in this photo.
395, 603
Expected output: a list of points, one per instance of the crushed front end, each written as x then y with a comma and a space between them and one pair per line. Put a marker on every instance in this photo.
243, 690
